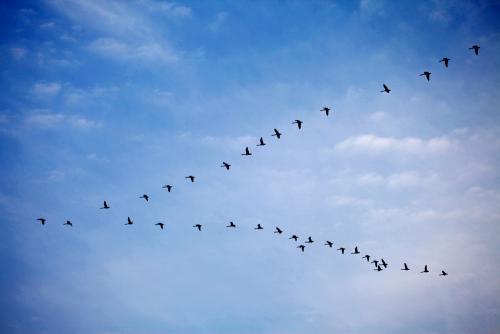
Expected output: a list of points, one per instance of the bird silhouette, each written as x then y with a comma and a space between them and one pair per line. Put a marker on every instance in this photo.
198, 226
475, 48
68, 223
443, 273
129, 221
355, 250
425, 270
445, 61
161, 225
299, 123
247, 151
301, 247
326, 110
427, 75
277, 134
383, 263
225, 165
231, 224
258, 227
329, 243
386, 89
261, 142
405, 267
379, 268
367, 257
375, 262
168, 187
42, 220
309, 240
105, 205
191, 177
342, 249
146, 197
278, 230
294, 237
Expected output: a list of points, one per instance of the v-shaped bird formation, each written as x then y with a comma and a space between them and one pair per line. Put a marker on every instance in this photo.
380, 265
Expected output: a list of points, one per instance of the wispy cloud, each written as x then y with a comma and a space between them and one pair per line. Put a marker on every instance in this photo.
44, 119
46, 89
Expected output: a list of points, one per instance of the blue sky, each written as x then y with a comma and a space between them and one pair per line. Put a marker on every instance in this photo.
111, 100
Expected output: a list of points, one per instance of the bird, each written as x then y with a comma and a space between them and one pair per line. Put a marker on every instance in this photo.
261, 142
299, 123
445, 61
42, 220
168, 187
277, 134
383, 263
258, 227
386, 89
294, 237
367, 257
129, 221
106, 206
329, 243
326, 110
309, 240
443, 273
161, 225
427, 75
375, 262
191, 177
225, 165
68, 223
378, 268
425, 270
198, 226
405, 267
475, 48
278, 230
355, 250
301, 247
247, 151
342, 249
146, 197
231, 224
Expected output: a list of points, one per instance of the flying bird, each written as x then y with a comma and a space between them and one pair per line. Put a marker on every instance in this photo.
247, 151
261, 142
386, 89
294, 237
258, 227
425, 270
168, 187
146, 197
326, 110
427, 75
329, 243
225, 165
309, 240
445, 61
342, 249
161, 225
405, 267
367, 257
475, 48
68, 223
383, 263
301, 247
191, 177
129, 221
277, 134
355, 250
299, 123
278, 230
106, 206
198, 226
443, 273
375, 262
42, 220
378, 268
231, 224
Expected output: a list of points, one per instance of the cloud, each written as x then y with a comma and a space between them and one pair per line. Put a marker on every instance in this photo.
169, 8
46, 89
217, 23
46, 120
375, 144
47, 25
18, 52
378, 116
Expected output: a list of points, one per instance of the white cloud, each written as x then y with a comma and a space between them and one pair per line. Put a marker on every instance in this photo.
47, 25
169, 8
378, 115
46, 89
56, 175
219, 20
18, 52
46, 120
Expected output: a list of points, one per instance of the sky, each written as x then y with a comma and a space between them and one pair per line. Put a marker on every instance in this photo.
109, 100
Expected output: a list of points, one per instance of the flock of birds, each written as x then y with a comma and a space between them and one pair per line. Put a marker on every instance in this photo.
379, 264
